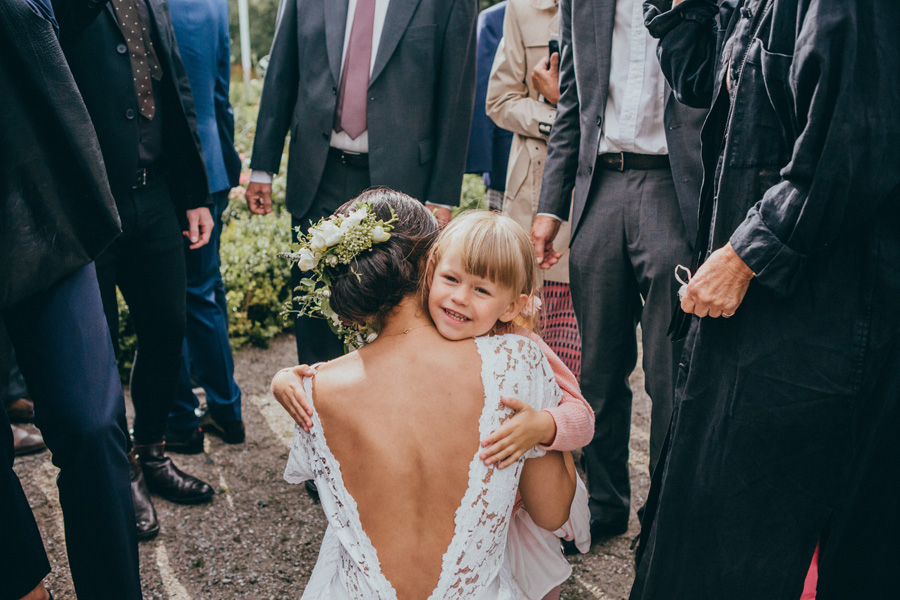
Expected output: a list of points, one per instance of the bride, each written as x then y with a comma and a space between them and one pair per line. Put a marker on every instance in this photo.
413, 512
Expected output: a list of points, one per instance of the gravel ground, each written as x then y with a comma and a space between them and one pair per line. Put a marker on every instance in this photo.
259, 538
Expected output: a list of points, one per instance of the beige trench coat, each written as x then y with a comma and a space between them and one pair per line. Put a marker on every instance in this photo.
513, 104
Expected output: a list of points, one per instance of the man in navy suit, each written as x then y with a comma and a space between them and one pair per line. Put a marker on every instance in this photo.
201, 29
489, 145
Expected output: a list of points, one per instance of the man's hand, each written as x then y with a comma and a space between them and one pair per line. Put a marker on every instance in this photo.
718, 287
441, 213
200, 226
545, 78
543, 232
287, 387
259, 197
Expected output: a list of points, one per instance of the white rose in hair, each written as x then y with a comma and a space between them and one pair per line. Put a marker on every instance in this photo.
331, 233
354, 219
379, 234
307, 260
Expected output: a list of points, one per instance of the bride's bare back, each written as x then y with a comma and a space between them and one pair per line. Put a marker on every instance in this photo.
401, 418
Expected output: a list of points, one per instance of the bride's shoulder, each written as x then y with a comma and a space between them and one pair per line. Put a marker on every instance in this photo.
337, 376
518, 346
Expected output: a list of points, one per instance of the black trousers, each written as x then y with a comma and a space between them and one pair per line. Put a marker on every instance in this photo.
65, 354
147, 264
340, 183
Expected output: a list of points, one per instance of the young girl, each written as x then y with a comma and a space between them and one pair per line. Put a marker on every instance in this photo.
481, 277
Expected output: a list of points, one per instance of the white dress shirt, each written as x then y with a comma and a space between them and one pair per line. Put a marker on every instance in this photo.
340, 139
633, 117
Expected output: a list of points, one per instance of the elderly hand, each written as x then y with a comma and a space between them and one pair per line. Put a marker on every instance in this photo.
718, 287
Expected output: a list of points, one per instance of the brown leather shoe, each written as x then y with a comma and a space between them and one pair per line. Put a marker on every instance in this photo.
26, 442
20, 411
167, 480
144, 514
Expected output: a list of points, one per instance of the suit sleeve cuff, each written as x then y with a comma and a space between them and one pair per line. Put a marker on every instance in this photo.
776, 265
552, 216
260, 177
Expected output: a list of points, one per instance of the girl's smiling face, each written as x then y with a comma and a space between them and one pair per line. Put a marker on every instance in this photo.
463, 305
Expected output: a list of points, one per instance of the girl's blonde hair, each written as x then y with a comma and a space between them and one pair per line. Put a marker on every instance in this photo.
494, 247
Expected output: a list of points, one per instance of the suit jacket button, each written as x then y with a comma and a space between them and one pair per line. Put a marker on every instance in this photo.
121, 48
129, 113
590, 170
599, 120
325, 136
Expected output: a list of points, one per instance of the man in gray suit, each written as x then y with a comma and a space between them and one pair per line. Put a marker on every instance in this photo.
374, 92
632, 155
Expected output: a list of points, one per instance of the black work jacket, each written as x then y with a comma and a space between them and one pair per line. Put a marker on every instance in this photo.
784, 411
56, 209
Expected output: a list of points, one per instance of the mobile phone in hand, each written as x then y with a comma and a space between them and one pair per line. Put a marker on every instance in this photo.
554, 47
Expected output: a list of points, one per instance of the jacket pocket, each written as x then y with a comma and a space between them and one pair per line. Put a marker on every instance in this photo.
775, 75
426, 151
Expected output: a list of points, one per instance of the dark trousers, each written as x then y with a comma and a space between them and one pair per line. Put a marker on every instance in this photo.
65, 354
147, 264
622, 262
340, 183
206, 354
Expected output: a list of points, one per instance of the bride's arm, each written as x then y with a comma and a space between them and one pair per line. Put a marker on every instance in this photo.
548, 487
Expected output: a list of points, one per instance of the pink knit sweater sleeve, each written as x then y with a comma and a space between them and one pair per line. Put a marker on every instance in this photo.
574, 416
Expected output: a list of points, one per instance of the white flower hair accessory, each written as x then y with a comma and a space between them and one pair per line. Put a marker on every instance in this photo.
532, 307
336, 240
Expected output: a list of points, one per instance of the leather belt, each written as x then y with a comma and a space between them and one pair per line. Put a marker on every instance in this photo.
145, 175
620, 161
351, 159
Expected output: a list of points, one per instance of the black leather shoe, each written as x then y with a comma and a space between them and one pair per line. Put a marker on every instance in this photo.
230, 433
167, 480
20, 410
185, 442
144, 513
603, 530
312, 490
25, 442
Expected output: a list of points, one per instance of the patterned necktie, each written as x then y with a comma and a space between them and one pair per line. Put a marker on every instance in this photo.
144, 63
351, 109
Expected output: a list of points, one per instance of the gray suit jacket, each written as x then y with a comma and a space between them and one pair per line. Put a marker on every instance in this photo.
585, 31
421, 95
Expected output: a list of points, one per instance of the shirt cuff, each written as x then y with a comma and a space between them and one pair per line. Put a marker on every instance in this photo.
660, 17
552, 216
260, 177
775, 264
436, 205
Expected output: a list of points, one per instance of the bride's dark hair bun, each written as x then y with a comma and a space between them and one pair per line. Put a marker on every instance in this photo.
379, 278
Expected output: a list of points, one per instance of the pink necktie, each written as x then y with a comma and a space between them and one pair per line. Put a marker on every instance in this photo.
351, 109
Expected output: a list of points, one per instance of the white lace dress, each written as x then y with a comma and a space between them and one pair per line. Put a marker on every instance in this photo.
475, 565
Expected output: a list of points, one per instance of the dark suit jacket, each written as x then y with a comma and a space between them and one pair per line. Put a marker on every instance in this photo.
586, 28
421, 93
201, 28
56, 209
99, 60
488, 144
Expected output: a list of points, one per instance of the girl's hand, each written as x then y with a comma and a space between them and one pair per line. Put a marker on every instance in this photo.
525, 430
287, 387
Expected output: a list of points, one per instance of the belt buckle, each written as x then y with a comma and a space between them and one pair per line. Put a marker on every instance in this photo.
621, 167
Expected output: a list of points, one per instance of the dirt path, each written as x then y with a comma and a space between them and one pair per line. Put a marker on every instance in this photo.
259, 538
